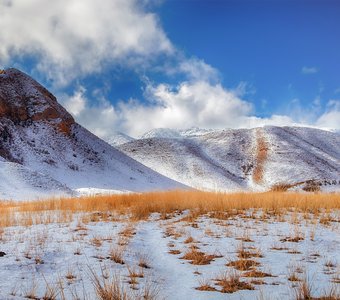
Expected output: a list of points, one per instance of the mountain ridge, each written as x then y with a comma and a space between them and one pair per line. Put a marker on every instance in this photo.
259, 159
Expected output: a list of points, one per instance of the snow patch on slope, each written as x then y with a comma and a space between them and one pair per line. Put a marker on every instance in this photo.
82, 162
18, 182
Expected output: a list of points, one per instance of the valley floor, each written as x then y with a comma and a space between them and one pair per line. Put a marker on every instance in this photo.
181, 254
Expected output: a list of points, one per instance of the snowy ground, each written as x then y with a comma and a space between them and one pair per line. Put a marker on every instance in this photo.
65, 258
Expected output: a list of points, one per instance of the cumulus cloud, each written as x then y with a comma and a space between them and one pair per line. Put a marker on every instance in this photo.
76, 104
330, 119
187, 105
196, 69
190, 104
72, 37
309, 70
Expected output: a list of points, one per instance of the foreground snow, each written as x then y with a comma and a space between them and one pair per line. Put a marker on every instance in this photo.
71, 254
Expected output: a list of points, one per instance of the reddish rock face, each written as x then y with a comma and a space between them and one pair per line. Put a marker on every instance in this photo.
23, 99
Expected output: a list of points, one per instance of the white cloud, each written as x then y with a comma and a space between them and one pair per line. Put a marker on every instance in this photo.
76, 103
330, 119
196, 69
274, 120
77, 37
309, 70
189, 104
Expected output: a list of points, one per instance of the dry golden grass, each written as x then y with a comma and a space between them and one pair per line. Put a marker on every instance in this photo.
116, 254
174, 252
109, 289
244, 253
144, 261
198, 257
204, 285
231, 283
70, 275
134, 275
128, 232
96, 241
189, 240
293, 277
140, 206
257, 274
243, 264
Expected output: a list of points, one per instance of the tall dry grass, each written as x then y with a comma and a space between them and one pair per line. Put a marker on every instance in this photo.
140, 206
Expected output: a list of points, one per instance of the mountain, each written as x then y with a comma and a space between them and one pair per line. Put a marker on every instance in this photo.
119, 138
44, 152
281, 158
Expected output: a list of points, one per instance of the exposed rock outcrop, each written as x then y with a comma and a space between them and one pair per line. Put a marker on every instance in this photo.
23, 100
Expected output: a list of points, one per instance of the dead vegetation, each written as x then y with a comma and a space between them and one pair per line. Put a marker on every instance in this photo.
205, 285
243, 264
230, 283
116, 254
244, 253
140, 206
257, 274
198, 257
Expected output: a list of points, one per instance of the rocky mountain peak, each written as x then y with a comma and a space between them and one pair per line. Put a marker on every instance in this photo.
24, 100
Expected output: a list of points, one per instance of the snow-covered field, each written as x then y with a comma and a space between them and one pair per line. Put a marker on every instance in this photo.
178, 255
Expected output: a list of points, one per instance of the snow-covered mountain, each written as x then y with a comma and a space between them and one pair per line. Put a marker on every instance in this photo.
244, 159
43, 151
119, 138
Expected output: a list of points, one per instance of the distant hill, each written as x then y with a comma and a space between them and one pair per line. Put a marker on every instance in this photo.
281, 158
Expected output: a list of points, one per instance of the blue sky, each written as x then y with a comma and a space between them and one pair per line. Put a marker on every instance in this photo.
263, 43
134, 65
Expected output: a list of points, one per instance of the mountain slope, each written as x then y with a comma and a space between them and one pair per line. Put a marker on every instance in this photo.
19, 182
38, 136
244, 159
